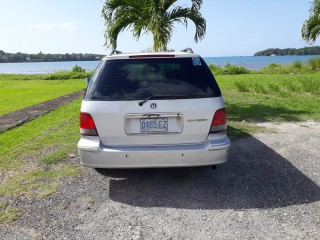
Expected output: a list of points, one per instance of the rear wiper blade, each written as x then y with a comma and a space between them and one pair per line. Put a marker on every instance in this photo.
145, 100
169, 96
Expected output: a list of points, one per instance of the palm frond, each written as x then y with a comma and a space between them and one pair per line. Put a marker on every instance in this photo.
182, 15
150, 16
196, 5
168, 3
311, 28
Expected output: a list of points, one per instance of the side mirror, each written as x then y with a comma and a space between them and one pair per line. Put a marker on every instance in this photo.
88, 79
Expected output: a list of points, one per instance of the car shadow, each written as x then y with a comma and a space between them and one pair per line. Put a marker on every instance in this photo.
254, 177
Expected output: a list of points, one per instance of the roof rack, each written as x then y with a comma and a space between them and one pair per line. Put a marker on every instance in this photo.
187, 50
115, 51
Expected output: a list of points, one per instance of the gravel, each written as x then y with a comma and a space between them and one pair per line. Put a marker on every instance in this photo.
269, 189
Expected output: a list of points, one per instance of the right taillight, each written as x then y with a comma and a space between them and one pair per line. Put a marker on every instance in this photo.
219, 121
87, 126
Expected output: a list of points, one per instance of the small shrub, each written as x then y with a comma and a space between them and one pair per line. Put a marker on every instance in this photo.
242, 86
294, 68
284, 92
271, 68
235, 70
260, 88
293, 87
227, 64
228, 69
310, 85
314, 64
274, 87
273, 65
77, 68
216, 70
66, 75
297, 64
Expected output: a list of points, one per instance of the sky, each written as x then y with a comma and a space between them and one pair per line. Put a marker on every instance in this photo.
234, 27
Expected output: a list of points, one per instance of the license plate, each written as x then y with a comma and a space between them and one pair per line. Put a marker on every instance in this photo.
154, 125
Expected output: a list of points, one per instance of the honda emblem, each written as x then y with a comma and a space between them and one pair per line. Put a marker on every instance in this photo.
153, 105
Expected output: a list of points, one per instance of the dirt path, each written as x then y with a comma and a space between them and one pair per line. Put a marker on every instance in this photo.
22, 116
269, 189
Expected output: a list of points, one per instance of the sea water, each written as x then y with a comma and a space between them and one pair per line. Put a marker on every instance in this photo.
249, 62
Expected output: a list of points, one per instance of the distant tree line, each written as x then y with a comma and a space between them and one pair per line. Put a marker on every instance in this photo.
289, 51
42, 57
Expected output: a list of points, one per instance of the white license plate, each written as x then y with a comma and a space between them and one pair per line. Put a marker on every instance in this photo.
154, 124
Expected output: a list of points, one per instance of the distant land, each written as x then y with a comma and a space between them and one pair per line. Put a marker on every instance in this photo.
42, 57
289, 51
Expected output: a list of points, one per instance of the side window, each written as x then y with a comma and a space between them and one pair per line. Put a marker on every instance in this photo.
97, 70
94, 77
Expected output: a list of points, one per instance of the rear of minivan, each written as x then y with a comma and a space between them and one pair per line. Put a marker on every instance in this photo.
153, 110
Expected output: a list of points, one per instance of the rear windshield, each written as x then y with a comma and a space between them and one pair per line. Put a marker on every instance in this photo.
166, 78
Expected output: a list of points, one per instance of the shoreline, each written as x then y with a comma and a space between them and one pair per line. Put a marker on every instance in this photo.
248, 62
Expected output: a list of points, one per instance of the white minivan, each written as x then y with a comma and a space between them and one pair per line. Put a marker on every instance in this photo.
153, 110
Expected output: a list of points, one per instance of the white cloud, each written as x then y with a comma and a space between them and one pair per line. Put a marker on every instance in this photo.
50, 26
68, 26
43, 27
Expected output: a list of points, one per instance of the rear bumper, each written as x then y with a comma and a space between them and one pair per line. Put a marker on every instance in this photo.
213, 151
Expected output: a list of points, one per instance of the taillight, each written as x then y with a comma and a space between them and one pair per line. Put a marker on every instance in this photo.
87, 126
219, 121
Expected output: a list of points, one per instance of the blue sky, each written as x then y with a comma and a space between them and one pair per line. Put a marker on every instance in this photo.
234, 27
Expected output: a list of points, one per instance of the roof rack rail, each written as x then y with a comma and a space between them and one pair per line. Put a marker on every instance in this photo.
115, 51
187, 50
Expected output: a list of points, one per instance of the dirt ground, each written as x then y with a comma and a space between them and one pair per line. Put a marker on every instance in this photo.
269, 189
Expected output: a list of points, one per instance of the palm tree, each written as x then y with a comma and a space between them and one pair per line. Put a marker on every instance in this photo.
311, 27
151, 16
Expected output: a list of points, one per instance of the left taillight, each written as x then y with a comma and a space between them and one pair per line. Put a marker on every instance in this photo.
219, 121
87, 126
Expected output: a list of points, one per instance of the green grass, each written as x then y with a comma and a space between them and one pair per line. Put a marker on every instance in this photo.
18, 92
8, 214
62, 75
66, 75
44, 137
228, 69
37, 182
297, 67
271, 97
31, 155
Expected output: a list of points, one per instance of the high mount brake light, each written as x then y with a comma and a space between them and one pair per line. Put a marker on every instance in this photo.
219, 121
87, 126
